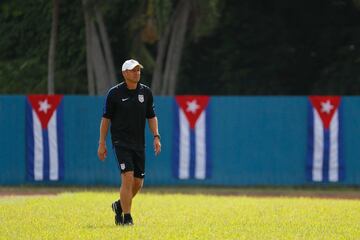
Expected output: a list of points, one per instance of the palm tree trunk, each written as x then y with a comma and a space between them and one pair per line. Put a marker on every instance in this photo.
89, 68
175, 49
52, 47
100, 66
107, 49
158, 71
98, 62
158, 80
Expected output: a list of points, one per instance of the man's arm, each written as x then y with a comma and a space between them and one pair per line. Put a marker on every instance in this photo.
104, 127
153, 125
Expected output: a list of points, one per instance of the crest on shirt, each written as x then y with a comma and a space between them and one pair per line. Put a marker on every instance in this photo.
141, 98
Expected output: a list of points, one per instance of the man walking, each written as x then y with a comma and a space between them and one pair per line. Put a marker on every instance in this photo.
127, 106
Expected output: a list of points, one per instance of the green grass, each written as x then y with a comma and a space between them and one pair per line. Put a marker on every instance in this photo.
87, 215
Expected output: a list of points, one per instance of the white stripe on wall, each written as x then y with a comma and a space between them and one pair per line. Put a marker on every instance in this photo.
334, 149
200, 142
184, 152
38, 148
53, 148
318, 155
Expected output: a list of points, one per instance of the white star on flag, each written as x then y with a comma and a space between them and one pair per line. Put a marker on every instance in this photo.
192, 106
326, 107
44, 106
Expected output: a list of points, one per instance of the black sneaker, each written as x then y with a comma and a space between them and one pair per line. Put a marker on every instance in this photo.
119, 220
128, 221
116, 207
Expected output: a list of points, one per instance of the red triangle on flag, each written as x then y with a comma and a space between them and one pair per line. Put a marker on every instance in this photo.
325, 107
192, 106
44, 106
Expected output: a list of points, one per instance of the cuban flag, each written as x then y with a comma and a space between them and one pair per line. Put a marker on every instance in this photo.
325, 158
44, 137
191, 150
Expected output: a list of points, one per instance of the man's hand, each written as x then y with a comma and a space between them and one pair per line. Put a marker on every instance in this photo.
102, 152
157, 146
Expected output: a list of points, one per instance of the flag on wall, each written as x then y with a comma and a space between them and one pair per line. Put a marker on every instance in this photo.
191, 150
325, 160
44, 137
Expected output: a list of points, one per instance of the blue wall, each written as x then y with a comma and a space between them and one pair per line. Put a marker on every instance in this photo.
255, 141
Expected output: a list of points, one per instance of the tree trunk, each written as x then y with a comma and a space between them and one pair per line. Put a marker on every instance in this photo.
175, 49
100, 66
158, 80
102, 79
89, 68
52, 47
107, 49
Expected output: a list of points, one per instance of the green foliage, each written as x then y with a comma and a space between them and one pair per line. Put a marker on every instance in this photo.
277, 48
233, 47
24, 32
70, 72
13, 76
24, 45
163, 9
87, 215
124, 30
205, 17
125, 22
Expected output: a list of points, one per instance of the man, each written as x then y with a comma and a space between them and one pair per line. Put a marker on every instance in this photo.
127, 106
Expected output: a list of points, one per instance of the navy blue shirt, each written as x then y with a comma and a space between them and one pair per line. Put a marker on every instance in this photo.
127, 110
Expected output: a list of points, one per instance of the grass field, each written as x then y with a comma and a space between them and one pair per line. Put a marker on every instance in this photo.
87, 215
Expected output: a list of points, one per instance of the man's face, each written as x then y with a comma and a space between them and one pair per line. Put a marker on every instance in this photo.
133, 75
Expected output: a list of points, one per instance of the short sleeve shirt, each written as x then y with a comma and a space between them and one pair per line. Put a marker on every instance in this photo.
127, 110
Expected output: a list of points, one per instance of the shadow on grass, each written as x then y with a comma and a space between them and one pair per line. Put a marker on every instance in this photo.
103, 226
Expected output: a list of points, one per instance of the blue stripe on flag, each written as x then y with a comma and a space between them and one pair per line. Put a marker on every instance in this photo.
341, 145
176, 141
309, 165
208, 142
29, 142
192, 153
60, 139
46, 168
325, 170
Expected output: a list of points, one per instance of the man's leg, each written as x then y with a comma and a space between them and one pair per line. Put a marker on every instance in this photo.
126, 191
139, 171
124, 158
126, 194
131, 183
129, 191
138, 183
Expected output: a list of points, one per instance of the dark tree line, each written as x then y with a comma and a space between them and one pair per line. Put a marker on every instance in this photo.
229, 47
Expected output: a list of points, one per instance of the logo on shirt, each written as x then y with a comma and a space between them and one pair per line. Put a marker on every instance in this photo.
124, 99
122, 166
141, 98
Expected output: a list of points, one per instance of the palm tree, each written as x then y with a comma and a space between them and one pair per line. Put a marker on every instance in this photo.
52, 47
198, 17
100, 64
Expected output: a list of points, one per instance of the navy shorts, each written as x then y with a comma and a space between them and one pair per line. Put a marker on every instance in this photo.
130, 160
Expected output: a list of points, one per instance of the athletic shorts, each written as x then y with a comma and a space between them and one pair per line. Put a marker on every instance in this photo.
130, 160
